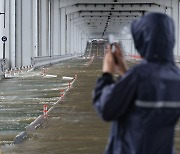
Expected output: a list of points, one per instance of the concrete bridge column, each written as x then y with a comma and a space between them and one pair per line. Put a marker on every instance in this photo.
78, 39
43, 28
26, 32
63, 31
18, 33
35, 28
72, 35
84, 42
175, 16
12, 39
2, 16
75, 38
55, 27
68, 41
178, 48
80, 42
23, 33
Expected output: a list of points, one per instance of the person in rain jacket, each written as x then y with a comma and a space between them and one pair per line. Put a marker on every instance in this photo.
144, 103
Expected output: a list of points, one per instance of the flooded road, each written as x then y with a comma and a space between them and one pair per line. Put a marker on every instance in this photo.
72, 127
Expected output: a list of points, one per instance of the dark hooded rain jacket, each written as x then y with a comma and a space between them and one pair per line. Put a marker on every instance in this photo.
144, 104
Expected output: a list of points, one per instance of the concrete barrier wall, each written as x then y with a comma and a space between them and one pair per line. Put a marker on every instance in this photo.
47, 60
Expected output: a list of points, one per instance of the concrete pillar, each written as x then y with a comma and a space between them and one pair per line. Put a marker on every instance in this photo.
25, 38
75, 38
27, 32
83, 42
175, 14
7, 29
35, 28
86, 40
178, 30
43, 28
12, 38
2, 16
55, 15
68, 41
78, 40
49, 29
72, 34
63, 31
19, 33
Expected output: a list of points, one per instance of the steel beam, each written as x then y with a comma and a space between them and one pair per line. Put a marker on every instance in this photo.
66, 3
130, 7
106, 13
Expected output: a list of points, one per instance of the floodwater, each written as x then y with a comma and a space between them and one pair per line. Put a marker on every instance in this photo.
72, 127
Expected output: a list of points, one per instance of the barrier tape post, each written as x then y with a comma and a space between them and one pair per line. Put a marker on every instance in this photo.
45, 110
69, 84
75, 77
61, 93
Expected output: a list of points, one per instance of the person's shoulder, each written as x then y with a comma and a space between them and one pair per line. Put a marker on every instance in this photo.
144, 68
143, 65
133, 70
149, 68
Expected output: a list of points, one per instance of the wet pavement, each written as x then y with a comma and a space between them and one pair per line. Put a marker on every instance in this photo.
72, 127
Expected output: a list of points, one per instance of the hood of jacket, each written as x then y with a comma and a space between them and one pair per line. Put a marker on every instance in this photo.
154, 37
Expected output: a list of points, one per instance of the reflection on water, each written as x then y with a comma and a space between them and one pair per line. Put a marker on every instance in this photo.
72, 127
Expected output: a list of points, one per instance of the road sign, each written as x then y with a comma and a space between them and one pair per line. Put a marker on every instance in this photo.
4, 38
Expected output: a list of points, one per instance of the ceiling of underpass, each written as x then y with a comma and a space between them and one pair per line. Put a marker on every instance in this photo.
102, 17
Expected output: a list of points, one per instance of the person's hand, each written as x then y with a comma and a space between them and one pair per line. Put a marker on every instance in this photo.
121, 63
108, 63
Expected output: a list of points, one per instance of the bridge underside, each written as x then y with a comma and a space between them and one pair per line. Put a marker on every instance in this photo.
46, 30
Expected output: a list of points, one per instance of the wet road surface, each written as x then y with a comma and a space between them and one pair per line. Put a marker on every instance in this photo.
73, 126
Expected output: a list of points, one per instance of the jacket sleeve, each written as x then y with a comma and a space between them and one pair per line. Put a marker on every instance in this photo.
112, 100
